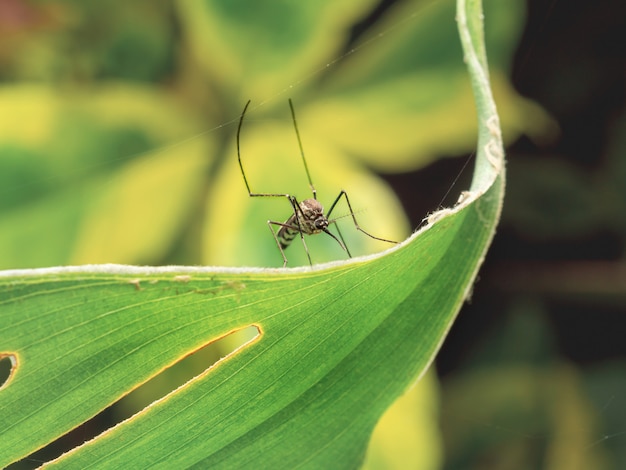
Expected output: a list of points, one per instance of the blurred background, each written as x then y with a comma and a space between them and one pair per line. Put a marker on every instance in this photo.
117, 145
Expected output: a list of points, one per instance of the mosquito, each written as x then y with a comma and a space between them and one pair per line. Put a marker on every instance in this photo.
308, 215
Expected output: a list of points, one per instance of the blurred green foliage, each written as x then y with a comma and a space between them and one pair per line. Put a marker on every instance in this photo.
117, 130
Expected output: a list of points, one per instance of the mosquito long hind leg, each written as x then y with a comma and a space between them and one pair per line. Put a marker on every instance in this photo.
356, 224
243, 173
306, 167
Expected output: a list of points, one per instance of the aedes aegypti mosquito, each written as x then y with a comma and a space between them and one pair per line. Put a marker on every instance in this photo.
308, 216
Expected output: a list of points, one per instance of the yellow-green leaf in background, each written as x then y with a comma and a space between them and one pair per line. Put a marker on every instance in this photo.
78, 169
294, 38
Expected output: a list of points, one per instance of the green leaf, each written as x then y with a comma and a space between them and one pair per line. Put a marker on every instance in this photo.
337, 343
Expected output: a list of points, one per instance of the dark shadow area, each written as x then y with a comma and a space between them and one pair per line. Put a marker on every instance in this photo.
8, 365
550, 299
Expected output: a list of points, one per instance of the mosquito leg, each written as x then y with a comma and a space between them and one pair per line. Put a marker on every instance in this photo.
297, 209
306, 167
292, 223
356, 224
278, 244
243, 173
306, 248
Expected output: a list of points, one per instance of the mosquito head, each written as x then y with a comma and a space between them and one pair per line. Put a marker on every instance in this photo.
312, 218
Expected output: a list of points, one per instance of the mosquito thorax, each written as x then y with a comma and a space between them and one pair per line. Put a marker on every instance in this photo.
314, 218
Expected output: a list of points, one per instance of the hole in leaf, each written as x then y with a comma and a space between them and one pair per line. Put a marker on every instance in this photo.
154, 389
8, 366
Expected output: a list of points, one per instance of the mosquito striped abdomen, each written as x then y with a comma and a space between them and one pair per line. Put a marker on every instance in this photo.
287, 232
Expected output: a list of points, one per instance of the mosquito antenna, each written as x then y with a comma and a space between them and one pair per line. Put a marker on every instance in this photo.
243, 113
306, 167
